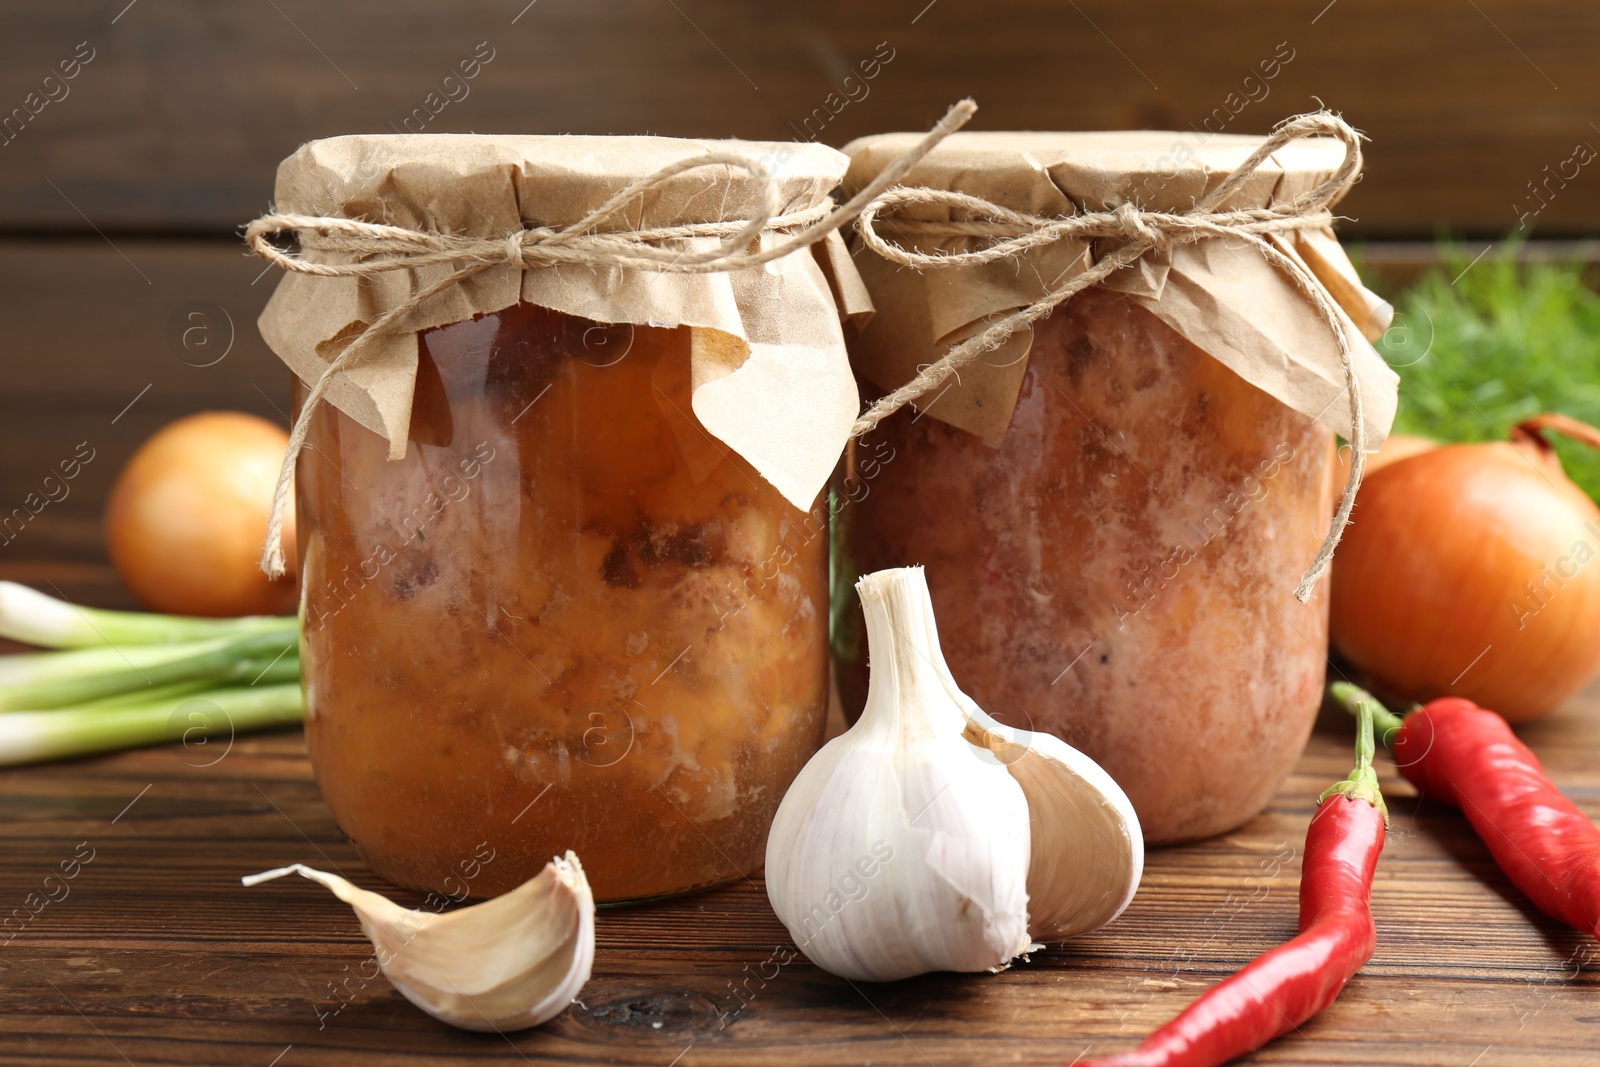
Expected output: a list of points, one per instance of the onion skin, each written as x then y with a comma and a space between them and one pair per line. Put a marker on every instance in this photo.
1396, 446
185, 520
1473, 571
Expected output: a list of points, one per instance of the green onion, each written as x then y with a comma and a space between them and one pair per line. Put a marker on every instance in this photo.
32, 736
31, 668
31, 617
60, 679
123, 678
148, 695
284, 668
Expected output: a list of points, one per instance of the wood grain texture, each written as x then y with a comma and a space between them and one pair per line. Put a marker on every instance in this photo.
158, 956
186, 108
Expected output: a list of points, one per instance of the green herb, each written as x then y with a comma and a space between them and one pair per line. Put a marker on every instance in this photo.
61, 679
31, 617
34, 736
128, 678
1502, 342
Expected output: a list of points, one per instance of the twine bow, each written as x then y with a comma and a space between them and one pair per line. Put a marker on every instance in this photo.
376, 248
1013, 233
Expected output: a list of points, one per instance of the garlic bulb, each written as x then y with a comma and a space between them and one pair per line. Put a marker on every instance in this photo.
505, 964
914, 841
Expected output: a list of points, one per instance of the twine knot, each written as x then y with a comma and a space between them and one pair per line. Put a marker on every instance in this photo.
1131, 219
513, 251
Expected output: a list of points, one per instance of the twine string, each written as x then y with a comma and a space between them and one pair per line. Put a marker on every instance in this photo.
1012, 233
366, 249
372, 248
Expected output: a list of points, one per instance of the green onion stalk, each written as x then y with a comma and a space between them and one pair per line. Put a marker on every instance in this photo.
63, 733
33, 618
121, 679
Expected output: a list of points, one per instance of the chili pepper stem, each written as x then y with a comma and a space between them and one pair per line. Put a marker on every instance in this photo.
1352, 697
1362, 781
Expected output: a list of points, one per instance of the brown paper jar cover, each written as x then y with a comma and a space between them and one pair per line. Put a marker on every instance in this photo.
562, 605
770, 377
1114, 509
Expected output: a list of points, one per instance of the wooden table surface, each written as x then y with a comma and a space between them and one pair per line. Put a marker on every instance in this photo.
158, 955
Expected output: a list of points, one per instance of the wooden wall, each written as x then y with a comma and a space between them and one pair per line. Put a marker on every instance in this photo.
178, 120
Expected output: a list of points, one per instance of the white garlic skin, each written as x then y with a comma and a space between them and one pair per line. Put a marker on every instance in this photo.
504, 964
1088, 848
901, 848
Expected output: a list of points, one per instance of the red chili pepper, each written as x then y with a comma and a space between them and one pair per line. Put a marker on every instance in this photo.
1461, 754
1282, 988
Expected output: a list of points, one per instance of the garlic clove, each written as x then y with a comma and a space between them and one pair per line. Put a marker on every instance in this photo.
505, 964
1087, 845
1088, 849
901, 848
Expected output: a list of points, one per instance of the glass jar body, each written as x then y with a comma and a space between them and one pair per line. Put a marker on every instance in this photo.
567, 619
1119, 569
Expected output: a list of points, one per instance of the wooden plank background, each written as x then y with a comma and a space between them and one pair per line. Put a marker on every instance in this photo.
93, 353
187, 105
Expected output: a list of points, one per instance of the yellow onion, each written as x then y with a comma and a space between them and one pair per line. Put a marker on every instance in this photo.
1396, 446
1474, 571
187, 515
